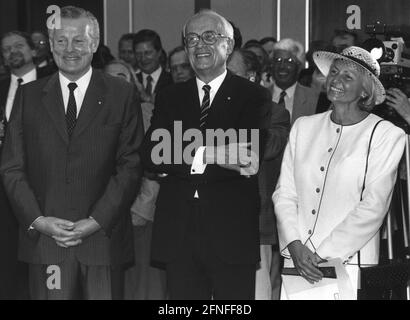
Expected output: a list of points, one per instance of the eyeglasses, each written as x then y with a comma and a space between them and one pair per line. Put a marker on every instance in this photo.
285, 61
208, 37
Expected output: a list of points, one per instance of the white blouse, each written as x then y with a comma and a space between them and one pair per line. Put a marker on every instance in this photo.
317, 198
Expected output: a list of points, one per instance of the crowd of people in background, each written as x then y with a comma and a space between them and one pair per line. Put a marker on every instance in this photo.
295, 86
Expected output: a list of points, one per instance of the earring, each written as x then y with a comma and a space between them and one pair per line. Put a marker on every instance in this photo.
363, 95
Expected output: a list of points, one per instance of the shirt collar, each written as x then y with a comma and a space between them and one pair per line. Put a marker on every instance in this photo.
82, 83
28, 77
214, 84
155, 75
290, 92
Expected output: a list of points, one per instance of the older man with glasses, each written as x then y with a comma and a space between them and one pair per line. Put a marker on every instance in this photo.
206, 222
288, 62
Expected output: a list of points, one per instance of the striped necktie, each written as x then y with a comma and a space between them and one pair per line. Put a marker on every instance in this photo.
71, 115
205, 105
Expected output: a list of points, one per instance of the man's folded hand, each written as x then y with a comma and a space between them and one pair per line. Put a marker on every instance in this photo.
234, 156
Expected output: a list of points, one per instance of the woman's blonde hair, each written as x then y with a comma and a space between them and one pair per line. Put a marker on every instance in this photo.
368, 101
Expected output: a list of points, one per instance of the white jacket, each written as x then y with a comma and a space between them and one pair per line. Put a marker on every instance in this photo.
317, 198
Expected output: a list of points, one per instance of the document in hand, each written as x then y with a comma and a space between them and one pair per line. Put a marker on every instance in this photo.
340, 288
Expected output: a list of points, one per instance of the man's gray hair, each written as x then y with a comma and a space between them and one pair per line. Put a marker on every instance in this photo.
71, 12
293, 46
224, 24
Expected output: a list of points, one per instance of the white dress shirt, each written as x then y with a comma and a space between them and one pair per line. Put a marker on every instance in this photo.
28, 77
317, 198
289, 98
79, 92
155, 77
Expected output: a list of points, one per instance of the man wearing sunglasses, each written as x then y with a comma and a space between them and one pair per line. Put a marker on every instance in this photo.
288, 62
206, 221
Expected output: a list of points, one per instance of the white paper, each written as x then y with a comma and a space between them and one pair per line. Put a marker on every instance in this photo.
297, 288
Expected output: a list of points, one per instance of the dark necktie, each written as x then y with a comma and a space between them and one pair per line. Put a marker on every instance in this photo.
205, 105
148, 87
282, 98
71, 115
19, 82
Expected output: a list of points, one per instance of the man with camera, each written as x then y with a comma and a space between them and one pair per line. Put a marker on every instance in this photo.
398, 100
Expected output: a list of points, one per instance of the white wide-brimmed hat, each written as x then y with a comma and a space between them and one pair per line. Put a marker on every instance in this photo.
360, 57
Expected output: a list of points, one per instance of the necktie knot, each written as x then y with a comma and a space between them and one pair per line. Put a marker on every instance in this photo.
72, 86
19, 81
282, 98
149, 79
206, 88
282, 95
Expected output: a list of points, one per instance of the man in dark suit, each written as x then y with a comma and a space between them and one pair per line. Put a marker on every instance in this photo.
288, 62
70, 168
148, 52
17, 50
206, 219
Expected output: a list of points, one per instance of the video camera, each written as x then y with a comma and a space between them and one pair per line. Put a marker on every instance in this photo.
394, 64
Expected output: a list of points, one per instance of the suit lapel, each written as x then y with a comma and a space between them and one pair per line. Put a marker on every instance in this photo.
92, 104
4, 91
298, 103
53, 103
193, 110
139, 77
163, 80
160, 82
221, 99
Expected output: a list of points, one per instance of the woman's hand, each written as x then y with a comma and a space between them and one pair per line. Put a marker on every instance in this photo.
305, 261
396, 99
267, 80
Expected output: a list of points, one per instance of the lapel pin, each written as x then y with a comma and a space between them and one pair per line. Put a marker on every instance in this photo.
99, 102
229, 98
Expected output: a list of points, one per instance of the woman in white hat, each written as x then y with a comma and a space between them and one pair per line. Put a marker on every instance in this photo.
338, 172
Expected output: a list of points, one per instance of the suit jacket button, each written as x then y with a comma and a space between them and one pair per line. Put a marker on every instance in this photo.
317, 190
313, 211
322, 168
310, 232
